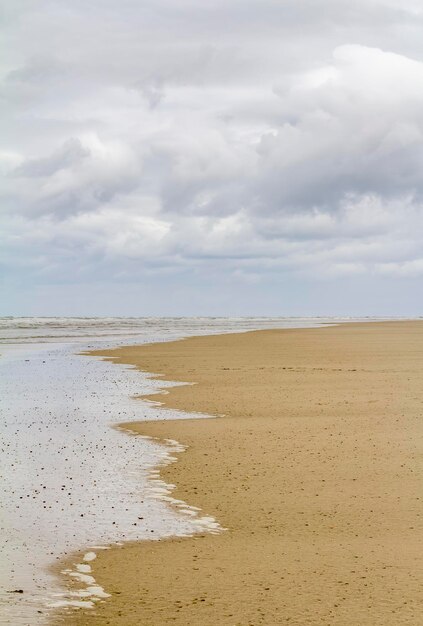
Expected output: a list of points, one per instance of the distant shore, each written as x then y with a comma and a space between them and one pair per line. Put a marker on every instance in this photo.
315, 470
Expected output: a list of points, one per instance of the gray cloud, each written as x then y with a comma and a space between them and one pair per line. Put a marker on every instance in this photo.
71, 153
246, 139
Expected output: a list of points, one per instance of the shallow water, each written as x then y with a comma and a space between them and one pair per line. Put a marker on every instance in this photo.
123, 329
69, 480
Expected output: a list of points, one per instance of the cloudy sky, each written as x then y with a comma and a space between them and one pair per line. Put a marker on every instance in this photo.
233, 157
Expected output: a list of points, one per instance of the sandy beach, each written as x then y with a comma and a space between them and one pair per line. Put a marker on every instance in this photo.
314, 467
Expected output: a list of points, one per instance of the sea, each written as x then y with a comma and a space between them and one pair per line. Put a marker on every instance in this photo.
71, 483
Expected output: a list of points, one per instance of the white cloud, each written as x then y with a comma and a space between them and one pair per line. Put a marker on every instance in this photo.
408, 268
199, 136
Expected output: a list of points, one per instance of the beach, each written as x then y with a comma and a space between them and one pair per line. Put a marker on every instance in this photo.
57, 403
314, 468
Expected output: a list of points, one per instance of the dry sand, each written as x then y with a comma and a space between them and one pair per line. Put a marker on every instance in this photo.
315, 470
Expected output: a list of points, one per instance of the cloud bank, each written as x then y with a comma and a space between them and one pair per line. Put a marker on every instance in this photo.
247, 141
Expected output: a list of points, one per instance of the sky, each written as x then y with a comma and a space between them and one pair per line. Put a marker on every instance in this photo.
254, 157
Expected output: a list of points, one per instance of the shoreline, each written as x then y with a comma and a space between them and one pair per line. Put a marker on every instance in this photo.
269, 585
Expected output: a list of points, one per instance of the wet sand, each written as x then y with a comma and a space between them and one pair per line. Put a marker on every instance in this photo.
316, 472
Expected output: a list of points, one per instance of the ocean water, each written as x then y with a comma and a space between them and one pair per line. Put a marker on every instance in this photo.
69, 480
